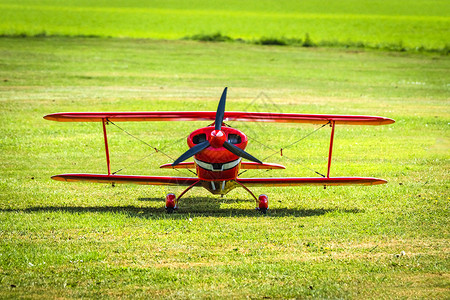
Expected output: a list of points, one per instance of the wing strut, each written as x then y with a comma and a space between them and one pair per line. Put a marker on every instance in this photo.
330, 151
108, 163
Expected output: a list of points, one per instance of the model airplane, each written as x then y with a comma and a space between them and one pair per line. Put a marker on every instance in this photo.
218, 151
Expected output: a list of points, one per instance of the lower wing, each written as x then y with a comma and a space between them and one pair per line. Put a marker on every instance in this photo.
325, 181
136, 179
187, 181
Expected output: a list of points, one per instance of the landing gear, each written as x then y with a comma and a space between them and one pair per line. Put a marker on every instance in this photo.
172, 200
263, 200
171, 203
263, 204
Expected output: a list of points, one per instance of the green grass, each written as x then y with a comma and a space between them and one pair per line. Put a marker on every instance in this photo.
61, 240
399, 25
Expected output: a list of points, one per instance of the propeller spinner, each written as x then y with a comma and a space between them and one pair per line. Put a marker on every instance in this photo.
218, 138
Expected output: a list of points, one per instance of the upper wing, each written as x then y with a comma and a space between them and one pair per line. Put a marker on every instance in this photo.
326, 181
146, 180
210, 115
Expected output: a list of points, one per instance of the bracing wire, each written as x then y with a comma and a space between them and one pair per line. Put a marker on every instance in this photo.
145, 143
299, 140
285, 147
133, 163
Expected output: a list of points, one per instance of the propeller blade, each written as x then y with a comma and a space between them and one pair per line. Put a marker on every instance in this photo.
220, 110
192, 151
239, 152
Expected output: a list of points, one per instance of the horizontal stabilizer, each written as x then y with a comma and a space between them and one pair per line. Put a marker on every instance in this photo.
181, 165
247, 165
244, 165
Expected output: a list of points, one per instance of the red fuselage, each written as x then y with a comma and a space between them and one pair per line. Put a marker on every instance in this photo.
215, 163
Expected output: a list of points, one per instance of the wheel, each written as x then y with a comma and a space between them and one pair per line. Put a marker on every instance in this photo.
263, 205
171, 204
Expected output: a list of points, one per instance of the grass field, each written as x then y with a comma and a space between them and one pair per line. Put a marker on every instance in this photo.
60, 240
397, 25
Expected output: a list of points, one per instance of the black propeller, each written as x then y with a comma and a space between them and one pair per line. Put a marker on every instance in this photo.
220, 113
191, 152
220, 110
239, 152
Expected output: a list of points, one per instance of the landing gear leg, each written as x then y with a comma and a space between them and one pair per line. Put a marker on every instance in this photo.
172, 200
262, 201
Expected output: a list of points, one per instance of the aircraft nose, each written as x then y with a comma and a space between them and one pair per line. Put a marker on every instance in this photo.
218, 137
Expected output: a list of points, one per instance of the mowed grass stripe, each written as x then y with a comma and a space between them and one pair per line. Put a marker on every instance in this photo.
406, 28
222, 13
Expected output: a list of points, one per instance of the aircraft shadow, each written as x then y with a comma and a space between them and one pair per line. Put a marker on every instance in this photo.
188, 207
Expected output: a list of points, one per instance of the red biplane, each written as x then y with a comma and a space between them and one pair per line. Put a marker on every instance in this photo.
218, 150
